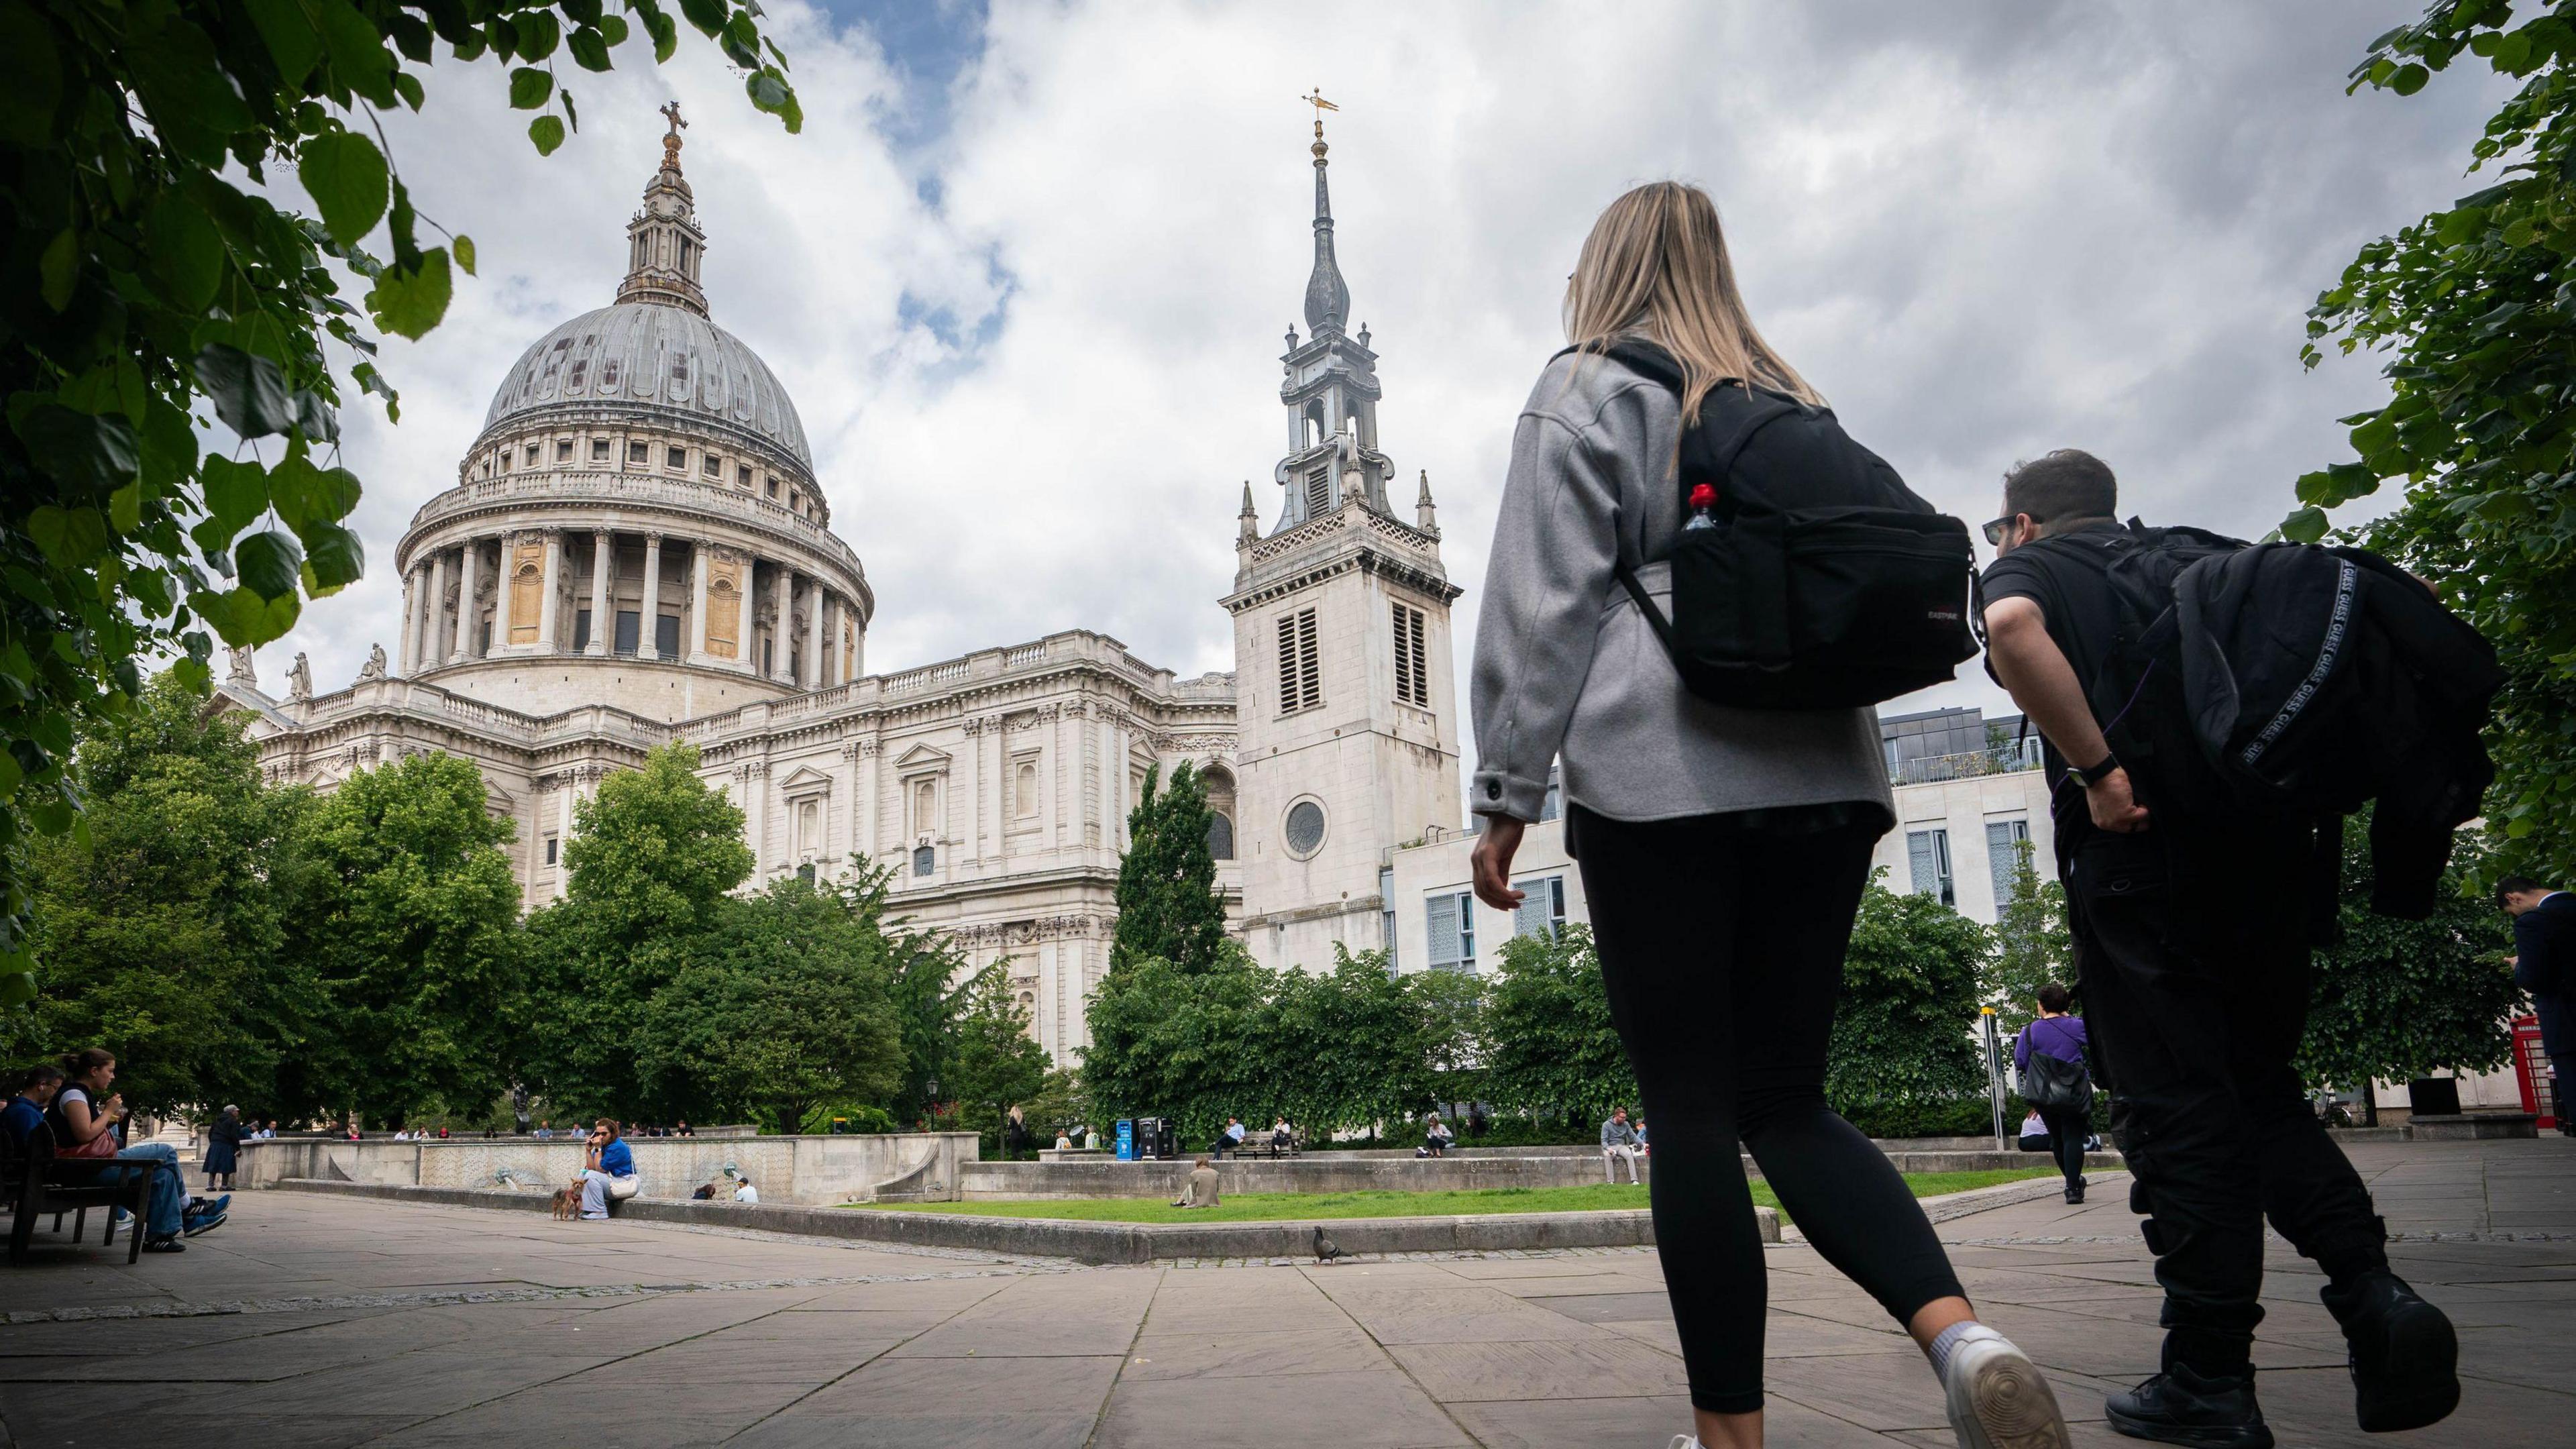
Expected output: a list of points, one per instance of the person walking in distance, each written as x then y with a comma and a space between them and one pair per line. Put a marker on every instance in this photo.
2544, 964
2061, 1091
2185, 914
1618, 1145
1724, 850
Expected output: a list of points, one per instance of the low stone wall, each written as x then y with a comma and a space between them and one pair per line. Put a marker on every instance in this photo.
820, 1170
1086, 1242
1396, 1172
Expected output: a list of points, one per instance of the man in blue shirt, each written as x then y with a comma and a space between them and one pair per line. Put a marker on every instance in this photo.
610, 1170
36, 1088
2544, 964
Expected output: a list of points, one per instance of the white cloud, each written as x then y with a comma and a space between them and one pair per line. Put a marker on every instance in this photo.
1982, 232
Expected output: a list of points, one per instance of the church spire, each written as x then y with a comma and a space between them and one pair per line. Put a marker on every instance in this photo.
664, 248
1328, 298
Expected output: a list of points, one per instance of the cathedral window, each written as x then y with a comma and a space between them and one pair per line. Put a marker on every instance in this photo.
1319, 492
1024, 790
608, 374
677, 460
679, 372
1301, 674
533, 454
563, 450
599, 450
712, 466
925, 806
572, 380
1220, 839
505, 460
773, 487
1412, 661
1304, 829
639, 454
924, 860
742, 474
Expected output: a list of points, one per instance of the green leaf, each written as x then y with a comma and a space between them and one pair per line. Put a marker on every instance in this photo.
408, 87
189, 96
530, 88
347, 178
291, 39
236, 493
86, 453
249, 392
589, 49
17, 988
31, 77
548, 134
2307, 525
538, 32
463, 248
243, 617
708, 15
2460, 224
184, 250
308, 496
58, 269
2409, 79
125, 507
410, 304
359, 59
69, 537
613, 29
270, 562
335, 560
664, 30
768, 92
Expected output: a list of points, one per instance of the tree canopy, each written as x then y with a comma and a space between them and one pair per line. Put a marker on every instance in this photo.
1168, 906
2032, 945
1909, 998
2474, 309
410, 931
153, 295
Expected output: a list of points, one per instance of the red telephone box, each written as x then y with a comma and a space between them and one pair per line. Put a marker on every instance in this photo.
2531, 1072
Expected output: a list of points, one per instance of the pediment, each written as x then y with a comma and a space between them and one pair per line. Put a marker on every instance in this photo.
807, 779
921, 757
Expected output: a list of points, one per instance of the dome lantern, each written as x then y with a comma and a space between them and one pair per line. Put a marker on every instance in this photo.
664, 248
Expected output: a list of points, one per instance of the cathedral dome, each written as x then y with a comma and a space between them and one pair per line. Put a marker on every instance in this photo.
652, 358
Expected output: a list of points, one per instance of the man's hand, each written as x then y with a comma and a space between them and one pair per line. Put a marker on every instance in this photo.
2114, 806
1492, 860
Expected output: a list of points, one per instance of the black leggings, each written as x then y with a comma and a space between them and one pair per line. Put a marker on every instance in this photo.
2067, 1129
1721, 941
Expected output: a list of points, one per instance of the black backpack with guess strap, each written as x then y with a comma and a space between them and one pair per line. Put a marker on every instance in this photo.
1826, 582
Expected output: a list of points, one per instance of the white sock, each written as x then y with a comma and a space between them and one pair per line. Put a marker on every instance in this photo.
1951, 1339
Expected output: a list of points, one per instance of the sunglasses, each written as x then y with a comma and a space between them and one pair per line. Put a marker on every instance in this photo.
1996, 530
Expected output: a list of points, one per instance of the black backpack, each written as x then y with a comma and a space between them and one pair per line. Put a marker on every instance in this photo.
1826, 583
2294, 682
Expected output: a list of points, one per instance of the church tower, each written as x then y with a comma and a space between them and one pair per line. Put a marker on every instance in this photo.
1346, 712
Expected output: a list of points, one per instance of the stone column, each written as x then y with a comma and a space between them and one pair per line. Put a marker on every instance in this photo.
546, 610
782, 633
699, 551
437, 601
647, 628
603, 563
465, 603
404, 647
814, 601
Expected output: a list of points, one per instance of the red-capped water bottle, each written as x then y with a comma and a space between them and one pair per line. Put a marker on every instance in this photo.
1703, 502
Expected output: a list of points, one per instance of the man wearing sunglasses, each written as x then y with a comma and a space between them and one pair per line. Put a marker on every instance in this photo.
2193, 954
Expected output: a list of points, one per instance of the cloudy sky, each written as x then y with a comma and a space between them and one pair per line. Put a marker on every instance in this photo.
1027, 269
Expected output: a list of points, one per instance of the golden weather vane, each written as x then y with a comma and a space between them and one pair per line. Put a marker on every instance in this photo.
1316, 99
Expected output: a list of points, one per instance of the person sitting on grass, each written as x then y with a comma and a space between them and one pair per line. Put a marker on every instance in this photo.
1436, 1138
1201, 1189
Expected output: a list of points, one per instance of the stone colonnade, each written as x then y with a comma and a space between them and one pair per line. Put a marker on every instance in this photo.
442, 615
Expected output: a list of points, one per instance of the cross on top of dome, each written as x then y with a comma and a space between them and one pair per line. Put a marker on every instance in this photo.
665, 249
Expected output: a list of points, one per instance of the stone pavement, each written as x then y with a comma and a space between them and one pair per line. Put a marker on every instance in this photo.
312, 1320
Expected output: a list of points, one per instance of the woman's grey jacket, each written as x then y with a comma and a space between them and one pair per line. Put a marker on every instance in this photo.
1567, 668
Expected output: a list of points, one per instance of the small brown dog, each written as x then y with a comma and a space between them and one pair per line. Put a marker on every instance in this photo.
567, 1204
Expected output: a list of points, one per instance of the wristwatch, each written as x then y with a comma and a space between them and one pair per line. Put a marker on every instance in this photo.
2088, 776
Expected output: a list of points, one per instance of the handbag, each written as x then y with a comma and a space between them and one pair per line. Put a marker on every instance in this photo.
2055, 1082
622, 1188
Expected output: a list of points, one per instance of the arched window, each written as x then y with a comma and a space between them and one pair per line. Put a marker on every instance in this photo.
925, 807
923, 860
1220, 837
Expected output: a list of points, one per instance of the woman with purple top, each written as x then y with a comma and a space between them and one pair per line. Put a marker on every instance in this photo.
2056, 1034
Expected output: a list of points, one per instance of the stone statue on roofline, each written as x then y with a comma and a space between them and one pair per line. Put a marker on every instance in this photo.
299, 680
374, 668
238, 669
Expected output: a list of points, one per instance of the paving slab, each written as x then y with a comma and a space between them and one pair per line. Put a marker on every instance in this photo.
326, 1321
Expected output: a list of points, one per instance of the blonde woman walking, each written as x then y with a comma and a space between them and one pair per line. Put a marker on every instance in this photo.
1723, 850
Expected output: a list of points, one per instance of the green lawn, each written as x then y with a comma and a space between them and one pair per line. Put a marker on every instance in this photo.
1296, 1206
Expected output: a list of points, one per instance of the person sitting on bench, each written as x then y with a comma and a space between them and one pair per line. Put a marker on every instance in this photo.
85, 1118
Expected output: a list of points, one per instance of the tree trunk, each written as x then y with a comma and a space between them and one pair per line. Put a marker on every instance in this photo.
2369, 1105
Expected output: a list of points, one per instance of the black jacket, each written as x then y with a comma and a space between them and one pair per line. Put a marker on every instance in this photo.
2545, 939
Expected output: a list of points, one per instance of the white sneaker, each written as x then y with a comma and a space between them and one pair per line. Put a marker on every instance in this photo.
1684, 1441
1997, 1399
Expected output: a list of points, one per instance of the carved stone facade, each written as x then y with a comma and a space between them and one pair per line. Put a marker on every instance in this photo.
636, 552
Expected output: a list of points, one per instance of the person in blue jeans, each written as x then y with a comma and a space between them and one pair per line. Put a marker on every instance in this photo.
2054, 1033
84, 1111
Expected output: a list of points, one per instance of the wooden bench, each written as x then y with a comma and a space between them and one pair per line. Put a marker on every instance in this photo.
1263, 1146
38, 1180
